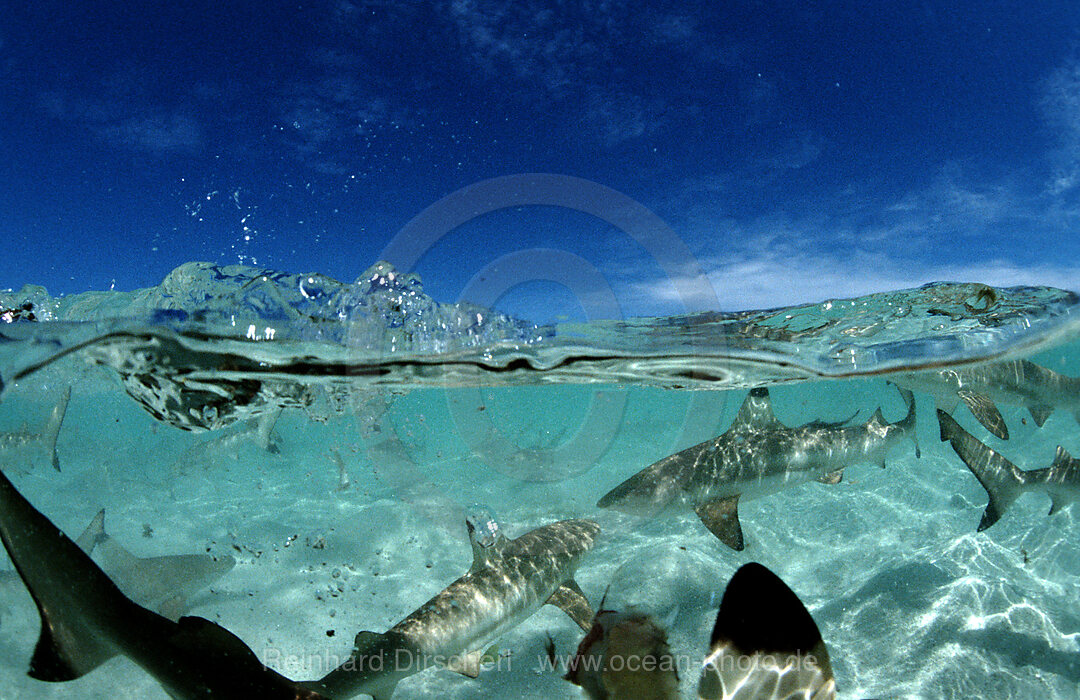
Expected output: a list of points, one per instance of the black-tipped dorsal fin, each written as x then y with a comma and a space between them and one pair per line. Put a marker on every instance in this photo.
721, 516
984, 410
756, 410
569, 598
760, 614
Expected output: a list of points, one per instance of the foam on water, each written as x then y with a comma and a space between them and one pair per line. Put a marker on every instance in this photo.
911, 601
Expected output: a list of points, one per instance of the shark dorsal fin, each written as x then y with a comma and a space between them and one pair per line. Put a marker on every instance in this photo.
484, 535
759, 614
756, 411
94, 534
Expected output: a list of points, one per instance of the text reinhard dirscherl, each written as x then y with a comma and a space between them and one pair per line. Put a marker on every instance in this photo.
404, 661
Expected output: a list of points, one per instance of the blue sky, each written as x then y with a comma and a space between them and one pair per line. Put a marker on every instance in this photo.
790, 151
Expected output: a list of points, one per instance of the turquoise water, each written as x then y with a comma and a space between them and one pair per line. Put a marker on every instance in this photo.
431, 411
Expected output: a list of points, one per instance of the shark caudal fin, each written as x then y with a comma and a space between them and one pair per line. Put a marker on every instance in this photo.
1003, 481
70, 591
907, 423
765, 644
376, 664
52, 428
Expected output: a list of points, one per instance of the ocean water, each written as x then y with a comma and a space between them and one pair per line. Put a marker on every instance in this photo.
399, 414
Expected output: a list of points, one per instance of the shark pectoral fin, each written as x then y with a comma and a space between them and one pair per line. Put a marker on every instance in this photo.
832, 477
172, 607
569, 598
1040, 413
984, 410
64, 654
722, 518
467, 664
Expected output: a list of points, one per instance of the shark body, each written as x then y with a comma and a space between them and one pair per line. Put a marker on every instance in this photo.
1014, 383
46, 437
86, 620
1004, 481
508, 582
163, 583
765, 645
758, 455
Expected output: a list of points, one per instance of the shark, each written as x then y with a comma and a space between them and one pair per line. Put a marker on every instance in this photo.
86, 620
1004, 481
765, 644
982, 387
510, 579
758, 455
258, 431
163, 583
46, 436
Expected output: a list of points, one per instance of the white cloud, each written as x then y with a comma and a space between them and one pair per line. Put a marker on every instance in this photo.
770, 280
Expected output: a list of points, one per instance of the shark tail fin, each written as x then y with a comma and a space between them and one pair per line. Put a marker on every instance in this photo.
907, 423
52, 428
1064, 469
369, 670
1003, 481
57, 659
51, 566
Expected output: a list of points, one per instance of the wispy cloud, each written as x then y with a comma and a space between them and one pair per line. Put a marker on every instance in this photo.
1060, 102
157, 134
114, 120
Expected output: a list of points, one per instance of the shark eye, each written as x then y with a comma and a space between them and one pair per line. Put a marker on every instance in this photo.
482, 525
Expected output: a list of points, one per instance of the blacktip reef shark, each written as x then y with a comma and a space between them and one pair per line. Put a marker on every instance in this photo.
765, 645
1004, 481
48, 435
509, 581
86, 620
258, 431
163, 583
758, 455
1014, 383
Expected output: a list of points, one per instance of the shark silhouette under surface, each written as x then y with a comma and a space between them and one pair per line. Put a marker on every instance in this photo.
86, 620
